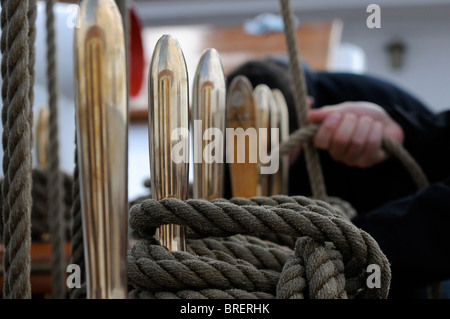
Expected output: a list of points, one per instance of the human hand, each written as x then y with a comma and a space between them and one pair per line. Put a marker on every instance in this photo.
353, 131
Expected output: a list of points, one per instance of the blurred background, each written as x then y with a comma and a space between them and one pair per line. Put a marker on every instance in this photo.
421, 27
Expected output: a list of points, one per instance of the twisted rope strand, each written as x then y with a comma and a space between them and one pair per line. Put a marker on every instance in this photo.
54, 186
300, 96
77, 242
19, 148
6, 158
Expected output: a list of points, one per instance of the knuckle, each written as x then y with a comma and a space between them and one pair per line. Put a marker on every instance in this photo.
340, 141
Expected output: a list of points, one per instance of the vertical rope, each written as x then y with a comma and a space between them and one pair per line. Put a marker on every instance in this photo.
5, 184
54, 181
77, 242
17, 247
300, 95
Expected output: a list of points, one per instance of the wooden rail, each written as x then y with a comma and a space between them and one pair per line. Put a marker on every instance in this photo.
41, 281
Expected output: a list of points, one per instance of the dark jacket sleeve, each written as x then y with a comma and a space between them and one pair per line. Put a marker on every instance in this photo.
413, 232
426, 133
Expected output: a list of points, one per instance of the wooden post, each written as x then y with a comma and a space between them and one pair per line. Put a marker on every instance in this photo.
241, 118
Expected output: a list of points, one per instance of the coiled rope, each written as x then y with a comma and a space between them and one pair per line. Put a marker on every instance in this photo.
329, 261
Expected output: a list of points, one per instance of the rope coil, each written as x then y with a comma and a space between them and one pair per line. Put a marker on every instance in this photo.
317, 224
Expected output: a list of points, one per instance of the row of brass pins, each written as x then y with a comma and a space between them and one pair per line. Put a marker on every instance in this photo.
102, 136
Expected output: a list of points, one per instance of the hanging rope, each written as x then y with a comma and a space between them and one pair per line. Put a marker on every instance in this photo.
17, 238
5, 184
39, 210
300, 96
54, 183
77, 242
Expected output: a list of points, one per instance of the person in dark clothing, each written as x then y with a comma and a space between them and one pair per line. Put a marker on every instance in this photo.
410, 226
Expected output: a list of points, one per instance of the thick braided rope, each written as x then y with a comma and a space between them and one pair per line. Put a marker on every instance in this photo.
300, 96
250, 249
324, 272
154, 268
221, 218
54, 183
307, 133
77, 242
5, 184
39, 210
202, 294
19, 147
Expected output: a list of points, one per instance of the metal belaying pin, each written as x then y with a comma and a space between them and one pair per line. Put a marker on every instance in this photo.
208, 117
168, 122
242, 155
284, 136
261, 98
102, 137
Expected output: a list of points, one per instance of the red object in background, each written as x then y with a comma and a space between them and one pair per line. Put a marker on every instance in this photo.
136, 55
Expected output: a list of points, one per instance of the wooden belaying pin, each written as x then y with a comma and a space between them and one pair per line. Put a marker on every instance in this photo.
42, 131
284, 136
241, 146
261, 98
275, 178
208, 119
168, 122
102, 137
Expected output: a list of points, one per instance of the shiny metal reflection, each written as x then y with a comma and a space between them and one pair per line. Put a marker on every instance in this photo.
276, 178
284, 136
102, 137
261, 95
208, 116
241, 114
42, 131
169, 114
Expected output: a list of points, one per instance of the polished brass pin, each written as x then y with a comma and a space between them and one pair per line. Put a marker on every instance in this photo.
102, 137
